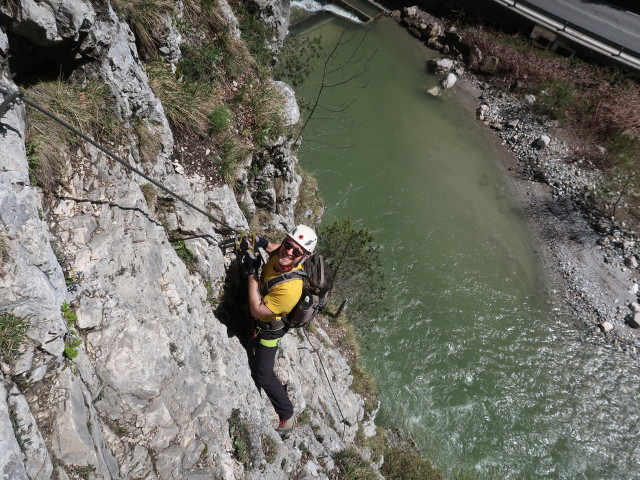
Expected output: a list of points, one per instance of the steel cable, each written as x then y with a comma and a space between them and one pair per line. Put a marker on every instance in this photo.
12, 97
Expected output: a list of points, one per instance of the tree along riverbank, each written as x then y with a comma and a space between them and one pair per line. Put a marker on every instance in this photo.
590, 261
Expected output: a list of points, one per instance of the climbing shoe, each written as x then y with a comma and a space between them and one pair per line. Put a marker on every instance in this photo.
285, 427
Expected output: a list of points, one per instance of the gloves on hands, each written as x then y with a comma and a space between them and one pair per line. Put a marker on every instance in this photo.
251, 263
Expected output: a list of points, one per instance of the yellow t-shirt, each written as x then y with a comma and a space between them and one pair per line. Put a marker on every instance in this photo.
283, 297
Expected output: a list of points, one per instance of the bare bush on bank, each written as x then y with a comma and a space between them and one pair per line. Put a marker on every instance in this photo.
597, 102
597, 105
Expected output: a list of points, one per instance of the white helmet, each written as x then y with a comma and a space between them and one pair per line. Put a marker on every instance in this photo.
305, 237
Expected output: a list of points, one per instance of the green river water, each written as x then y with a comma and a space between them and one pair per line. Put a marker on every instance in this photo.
472, 360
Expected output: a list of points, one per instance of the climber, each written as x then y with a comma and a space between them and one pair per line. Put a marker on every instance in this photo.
268, 308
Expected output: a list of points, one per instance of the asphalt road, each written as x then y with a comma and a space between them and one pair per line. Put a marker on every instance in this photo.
606, 20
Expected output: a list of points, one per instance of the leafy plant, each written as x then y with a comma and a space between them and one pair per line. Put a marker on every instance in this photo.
72, 279
13, 332
184, 253
72, 342
239, 433
199, 62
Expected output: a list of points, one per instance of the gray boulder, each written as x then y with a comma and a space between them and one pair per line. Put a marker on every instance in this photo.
449, 81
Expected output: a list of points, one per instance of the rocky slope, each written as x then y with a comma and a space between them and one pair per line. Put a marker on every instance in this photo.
160, 386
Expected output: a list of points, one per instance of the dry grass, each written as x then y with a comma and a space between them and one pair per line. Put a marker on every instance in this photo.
86, 107
149, 140
187, 105
4, 248
149, 21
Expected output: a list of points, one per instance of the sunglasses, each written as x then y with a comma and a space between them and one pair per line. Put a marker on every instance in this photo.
290, 246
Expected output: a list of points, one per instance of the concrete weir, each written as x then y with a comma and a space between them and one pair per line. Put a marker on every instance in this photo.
357, 11
356, 7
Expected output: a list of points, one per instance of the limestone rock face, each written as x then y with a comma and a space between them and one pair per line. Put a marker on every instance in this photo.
161, 372
276, 14
48, 21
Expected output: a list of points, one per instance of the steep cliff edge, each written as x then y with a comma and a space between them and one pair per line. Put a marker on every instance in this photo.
159, 387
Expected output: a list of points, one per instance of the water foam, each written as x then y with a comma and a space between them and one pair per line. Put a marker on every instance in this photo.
313, 6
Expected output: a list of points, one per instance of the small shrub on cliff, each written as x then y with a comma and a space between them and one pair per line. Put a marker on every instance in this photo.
355, 265
240, 438
255, 31
198, 63
72, 342
402, 464
402, 459
351, 466
13, 332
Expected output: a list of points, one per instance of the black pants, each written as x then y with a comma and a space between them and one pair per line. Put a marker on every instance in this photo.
263, 361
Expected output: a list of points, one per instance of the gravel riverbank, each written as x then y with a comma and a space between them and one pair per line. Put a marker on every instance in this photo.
590, 264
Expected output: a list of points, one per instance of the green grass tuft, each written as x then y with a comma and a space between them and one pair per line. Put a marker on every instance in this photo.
13, 333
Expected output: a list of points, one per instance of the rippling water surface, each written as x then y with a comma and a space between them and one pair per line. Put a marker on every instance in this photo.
471, 360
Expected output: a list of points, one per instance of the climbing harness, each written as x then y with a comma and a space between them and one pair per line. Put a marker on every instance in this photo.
315, 291
12, 96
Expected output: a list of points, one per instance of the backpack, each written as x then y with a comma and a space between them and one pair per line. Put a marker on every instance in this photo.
315, 290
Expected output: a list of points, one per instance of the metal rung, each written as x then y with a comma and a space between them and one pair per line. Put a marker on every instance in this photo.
6, 105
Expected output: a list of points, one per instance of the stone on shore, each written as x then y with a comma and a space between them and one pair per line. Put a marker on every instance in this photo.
634, 320
606, 327
631, 262
448, 81
435, 91
440, 65
541, 142
482, 111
